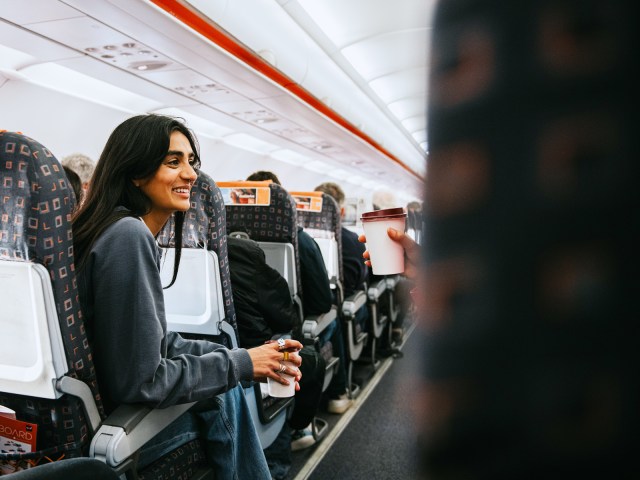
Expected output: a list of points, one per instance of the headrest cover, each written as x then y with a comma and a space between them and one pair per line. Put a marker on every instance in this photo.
35, 198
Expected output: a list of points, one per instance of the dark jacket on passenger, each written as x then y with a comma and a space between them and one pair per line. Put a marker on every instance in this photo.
316, 290
264, 308
261, 295
353, 267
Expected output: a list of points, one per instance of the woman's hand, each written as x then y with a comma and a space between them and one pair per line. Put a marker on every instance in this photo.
411, 252
267, 360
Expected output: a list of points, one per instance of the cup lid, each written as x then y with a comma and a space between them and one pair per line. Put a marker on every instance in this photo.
386, 213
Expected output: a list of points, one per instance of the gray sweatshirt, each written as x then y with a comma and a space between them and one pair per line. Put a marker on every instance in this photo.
137, 360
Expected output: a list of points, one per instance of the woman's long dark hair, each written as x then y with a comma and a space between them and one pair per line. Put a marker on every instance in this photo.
134, 151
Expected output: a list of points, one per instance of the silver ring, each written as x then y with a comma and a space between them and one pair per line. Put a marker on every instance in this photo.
282, 368
281, 343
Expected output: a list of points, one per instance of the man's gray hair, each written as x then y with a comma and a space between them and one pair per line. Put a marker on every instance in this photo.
81, 164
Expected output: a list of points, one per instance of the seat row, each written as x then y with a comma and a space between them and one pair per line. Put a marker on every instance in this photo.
46, 370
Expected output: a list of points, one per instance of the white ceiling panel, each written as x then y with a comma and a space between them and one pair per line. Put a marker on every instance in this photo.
347, 22
387, 53
80, 33
413, 124
39, 49
410, 106
35, 11
399, 85
420, 136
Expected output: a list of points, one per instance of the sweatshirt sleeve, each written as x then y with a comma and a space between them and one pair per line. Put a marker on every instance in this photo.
140, 361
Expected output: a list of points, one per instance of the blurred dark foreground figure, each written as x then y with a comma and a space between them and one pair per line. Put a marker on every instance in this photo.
530, 306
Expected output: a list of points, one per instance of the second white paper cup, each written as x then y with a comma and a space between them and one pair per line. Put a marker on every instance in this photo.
387, 256
279, 390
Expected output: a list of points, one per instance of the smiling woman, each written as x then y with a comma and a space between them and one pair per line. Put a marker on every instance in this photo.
139, 150
144, 175
169, 188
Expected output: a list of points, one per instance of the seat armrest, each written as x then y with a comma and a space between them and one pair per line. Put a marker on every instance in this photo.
315, 324
376, 290
353, 303
392, 281
77, 388
128, 428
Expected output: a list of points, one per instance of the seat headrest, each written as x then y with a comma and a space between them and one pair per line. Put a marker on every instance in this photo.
35, 198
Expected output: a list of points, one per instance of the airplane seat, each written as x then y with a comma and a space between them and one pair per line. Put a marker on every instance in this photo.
319, 214
47, 376
265, 212
390, 306
200, 303
37, 287
81, 468
272, 223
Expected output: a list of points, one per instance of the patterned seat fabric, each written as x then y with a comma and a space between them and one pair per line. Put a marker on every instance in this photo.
35, 226
181, 463
276, 222
205, 225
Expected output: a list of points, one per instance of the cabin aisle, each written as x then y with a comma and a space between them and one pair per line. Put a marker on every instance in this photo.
379, 441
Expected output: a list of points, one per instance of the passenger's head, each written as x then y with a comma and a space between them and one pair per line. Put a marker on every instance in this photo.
333, 190
75, 182
383, 199
136, 150
147, 166
262, 175
82, 165
414, 207
414, 215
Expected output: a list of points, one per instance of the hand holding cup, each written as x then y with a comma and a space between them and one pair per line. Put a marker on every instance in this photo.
410, 247
278, 362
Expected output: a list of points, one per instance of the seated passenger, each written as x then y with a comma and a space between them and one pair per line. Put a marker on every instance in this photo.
144, 174
414, 220
318, 299
264, 308
263, 304
76, 185
83, 166
354, 271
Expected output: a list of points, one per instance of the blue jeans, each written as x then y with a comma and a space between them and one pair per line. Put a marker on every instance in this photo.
231, 443
278, 454
362, 316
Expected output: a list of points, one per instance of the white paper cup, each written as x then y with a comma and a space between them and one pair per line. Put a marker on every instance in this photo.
387, 256
276, 389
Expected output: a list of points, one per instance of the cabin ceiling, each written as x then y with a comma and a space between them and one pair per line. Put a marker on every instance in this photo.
365, 59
